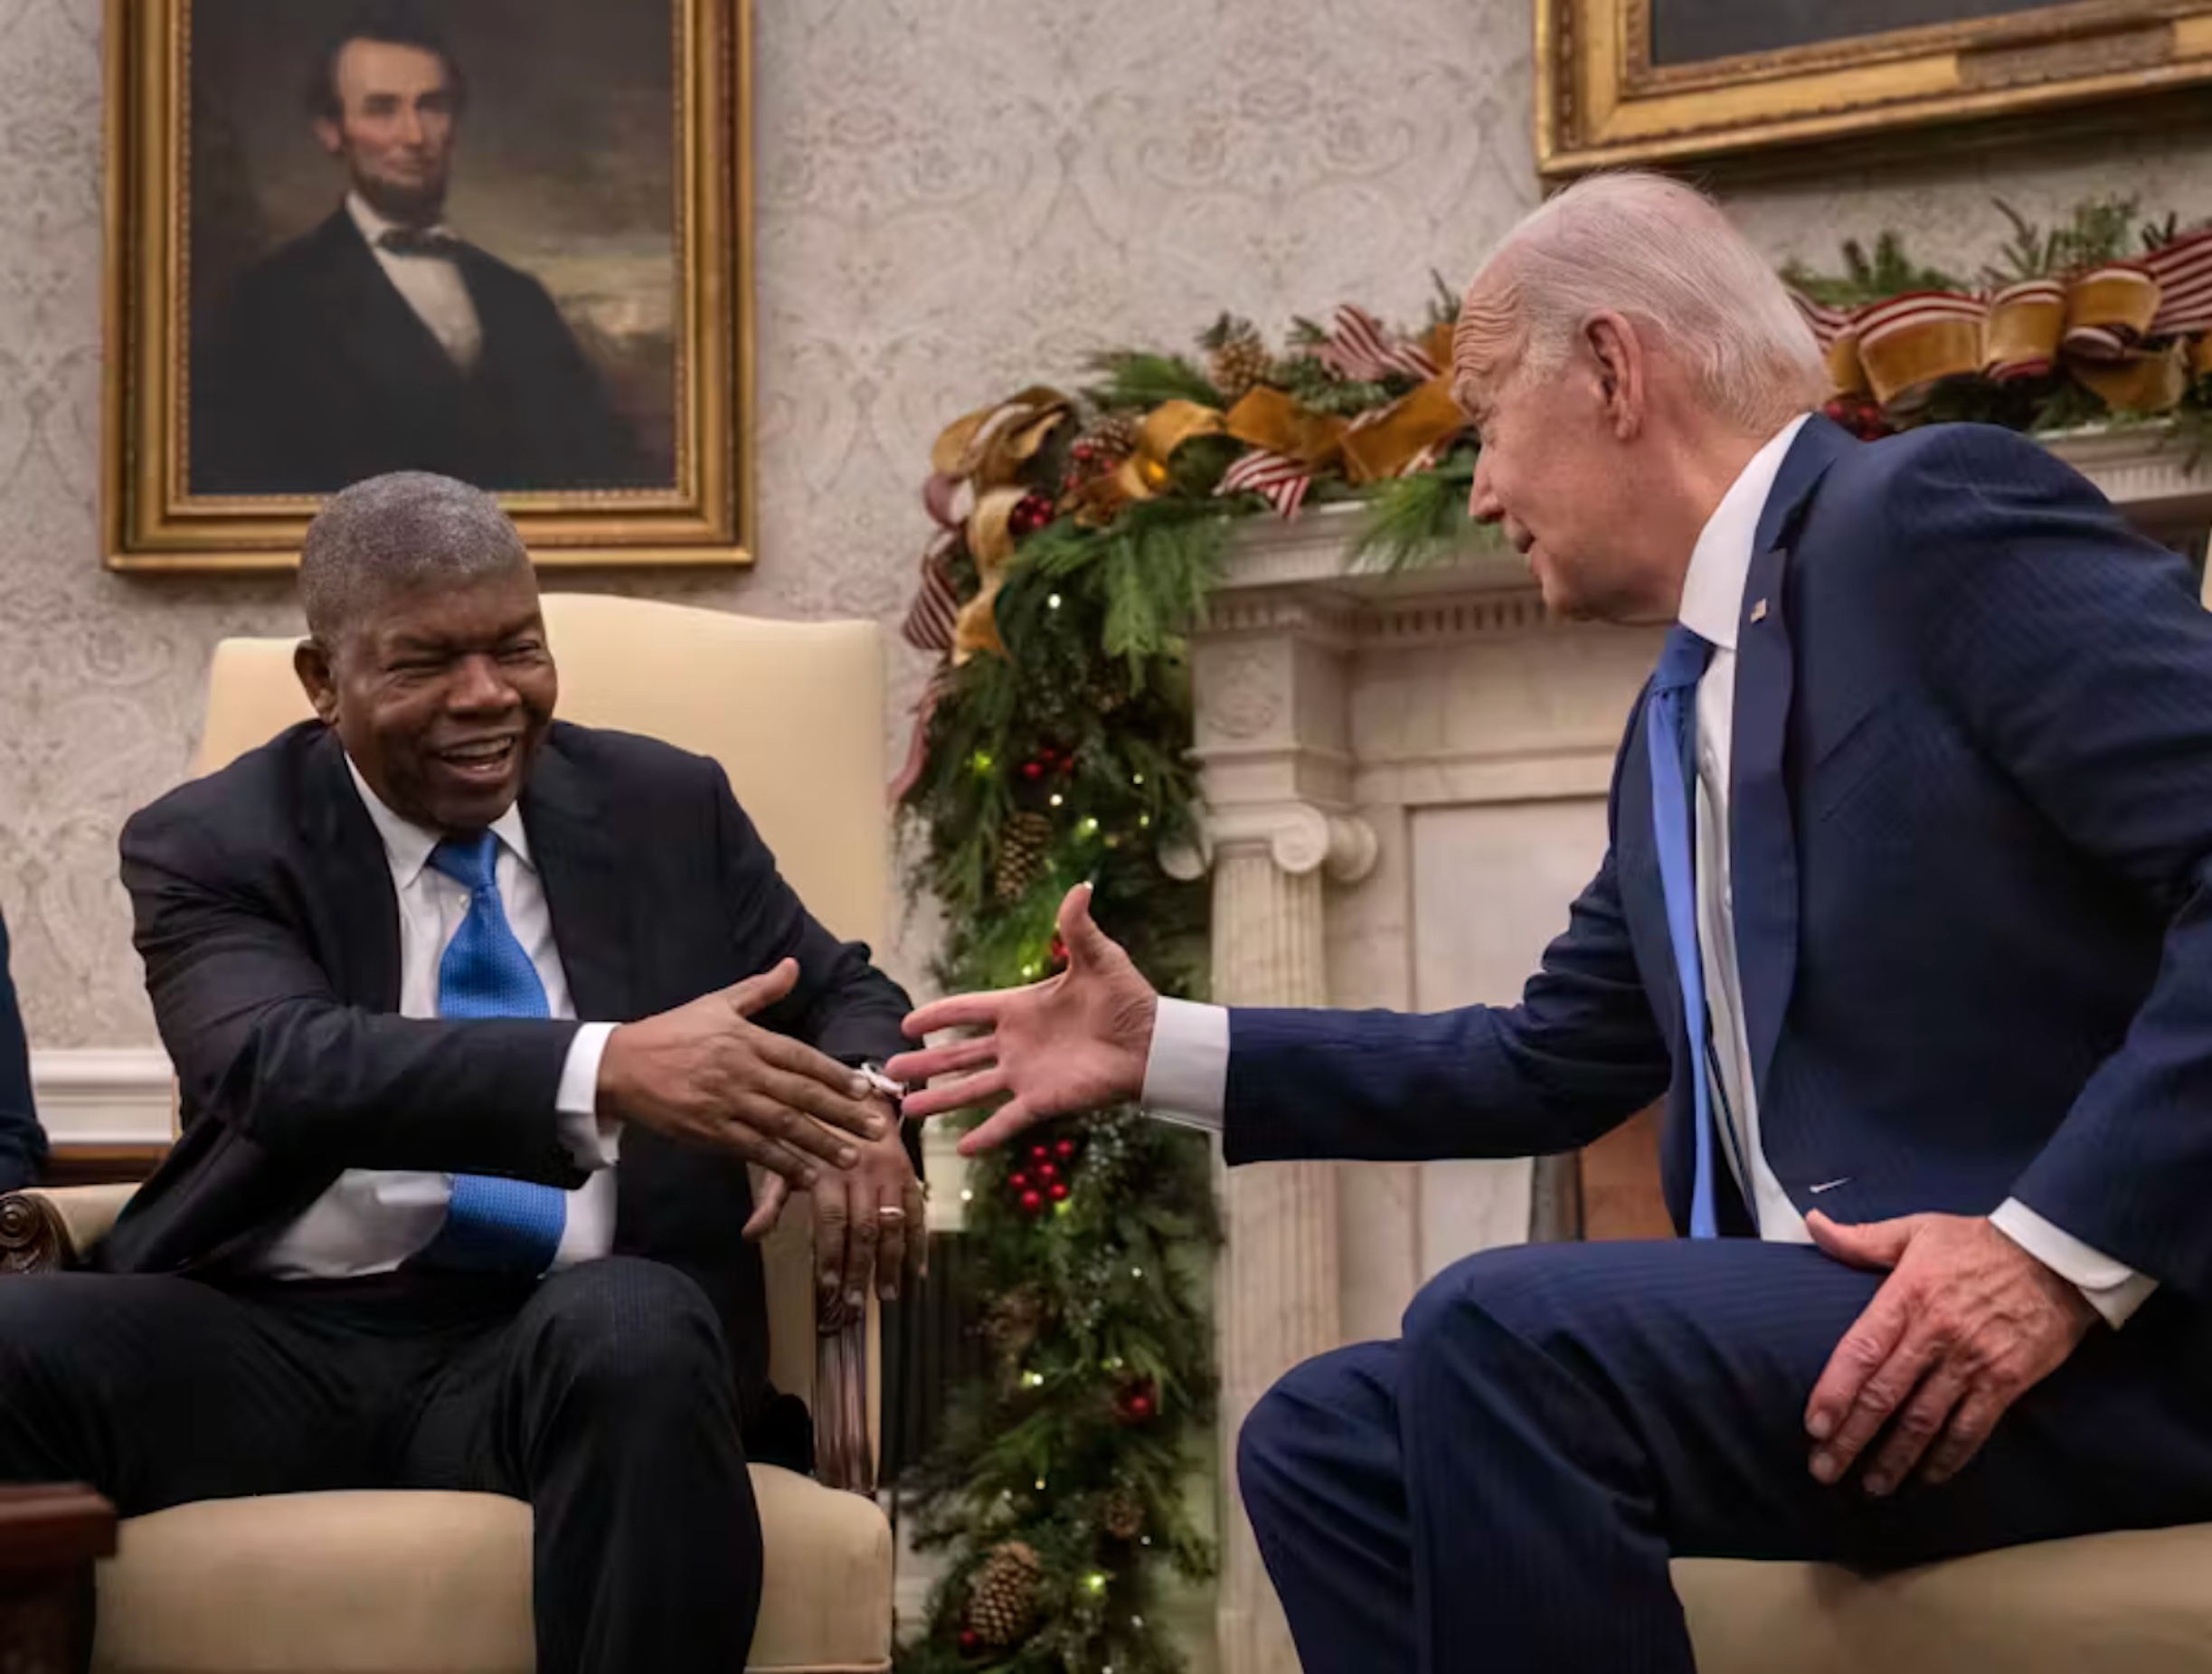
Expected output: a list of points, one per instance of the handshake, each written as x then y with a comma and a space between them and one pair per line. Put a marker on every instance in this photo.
707, 1073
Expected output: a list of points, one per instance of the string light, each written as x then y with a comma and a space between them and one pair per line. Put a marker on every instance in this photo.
1053, 603
1136, 779
1032, 1380
1088, 825
967, 1195
1095, 1581
1136, 1273
1057, 798
1040, 1485
982, 762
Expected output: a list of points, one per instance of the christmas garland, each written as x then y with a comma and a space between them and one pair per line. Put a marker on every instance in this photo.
1078, 537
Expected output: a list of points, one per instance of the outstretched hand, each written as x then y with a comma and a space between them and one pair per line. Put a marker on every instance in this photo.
1074, 1042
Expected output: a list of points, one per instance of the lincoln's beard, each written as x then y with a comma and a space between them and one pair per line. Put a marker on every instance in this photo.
410, 204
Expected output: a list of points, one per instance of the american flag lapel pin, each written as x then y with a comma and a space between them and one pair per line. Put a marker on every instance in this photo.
1758, 611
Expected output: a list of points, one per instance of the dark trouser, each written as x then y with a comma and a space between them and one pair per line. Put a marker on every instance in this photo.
601, 1395
1503, 1487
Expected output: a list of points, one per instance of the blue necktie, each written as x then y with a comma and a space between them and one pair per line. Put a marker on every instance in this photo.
1670, 732
493, 1224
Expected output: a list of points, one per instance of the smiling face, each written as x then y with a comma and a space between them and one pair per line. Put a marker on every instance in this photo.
442, 695
397, 112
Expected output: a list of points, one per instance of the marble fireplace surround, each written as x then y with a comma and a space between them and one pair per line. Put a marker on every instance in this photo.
1406, 782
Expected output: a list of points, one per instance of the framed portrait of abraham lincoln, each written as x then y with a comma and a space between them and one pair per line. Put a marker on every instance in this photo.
509, 241
1670, 81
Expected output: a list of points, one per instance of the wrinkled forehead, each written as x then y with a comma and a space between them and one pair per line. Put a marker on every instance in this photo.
1487, 343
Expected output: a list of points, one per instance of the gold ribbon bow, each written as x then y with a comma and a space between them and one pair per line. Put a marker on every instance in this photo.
976, 482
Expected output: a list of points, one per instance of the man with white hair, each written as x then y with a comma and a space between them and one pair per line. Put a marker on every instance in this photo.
1906, 916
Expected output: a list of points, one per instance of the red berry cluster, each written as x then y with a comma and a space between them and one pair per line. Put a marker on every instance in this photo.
1031, 513
1137, 1401
1861, 415
1050, 761
1041, 1179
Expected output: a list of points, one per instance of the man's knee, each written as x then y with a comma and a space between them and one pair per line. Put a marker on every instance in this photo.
631, 1334
1523, 1291
1317, 1408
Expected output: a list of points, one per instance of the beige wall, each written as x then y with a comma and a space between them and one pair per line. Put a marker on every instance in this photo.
956, 196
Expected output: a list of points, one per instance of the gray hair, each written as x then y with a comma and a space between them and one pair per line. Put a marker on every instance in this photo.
394, 535
1660, 253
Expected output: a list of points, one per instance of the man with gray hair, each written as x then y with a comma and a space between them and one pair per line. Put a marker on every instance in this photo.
478, 1018
1905, 918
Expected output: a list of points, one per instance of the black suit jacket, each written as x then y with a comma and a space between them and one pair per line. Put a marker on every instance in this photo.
23, 1142
319, 373
266, 916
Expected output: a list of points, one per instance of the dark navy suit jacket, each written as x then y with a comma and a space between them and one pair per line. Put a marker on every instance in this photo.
23, 1142
1971, 835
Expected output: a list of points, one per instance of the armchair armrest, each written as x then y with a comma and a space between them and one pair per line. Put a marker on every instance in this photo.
45, 1229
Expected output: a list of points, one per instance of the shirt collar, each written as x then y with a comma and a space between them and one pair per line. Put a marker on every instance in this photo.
373, 226
408, 845
1720, 563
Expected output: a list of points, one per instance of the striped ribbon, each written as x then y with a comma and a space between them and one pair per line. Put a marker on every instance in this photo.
1358, 347
1277, 478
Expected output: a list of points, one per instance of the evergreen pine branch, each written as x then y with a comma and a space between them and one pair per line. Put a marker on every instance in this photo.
1417, 520
1136, 379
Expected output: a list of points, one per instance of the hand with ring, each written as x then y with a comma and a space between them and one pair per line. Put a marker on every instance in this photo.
870, 1225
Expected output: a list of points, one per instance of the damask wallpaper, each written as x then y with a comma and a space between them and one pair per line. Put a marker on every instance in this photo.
955, 196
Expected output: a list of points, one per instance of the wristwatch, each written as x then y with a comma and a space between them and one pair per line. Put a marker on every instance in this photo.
880, 1082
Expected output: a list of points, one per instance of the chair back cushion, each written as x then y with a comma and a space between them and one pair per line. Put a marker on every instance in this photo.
792, 711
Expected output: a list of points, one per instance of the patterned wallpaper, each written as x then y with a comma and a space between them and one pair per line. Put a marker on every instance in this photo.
955, 196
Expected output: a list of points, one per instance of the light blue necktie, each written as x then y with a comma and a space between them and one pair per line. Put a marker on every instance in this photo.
493, 1224
1670, 733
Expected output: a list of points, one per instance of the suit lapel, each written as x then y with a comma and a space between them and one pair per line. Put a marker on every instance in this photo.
387, 346
576, 862
1763, 837
355, 887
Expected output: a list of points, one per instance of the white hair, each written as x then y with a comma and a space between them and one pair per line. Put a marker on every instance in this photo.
1662, 254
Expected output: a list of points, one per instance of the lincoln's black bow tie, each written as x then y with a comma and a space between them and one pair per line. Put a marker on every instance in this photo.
418, 241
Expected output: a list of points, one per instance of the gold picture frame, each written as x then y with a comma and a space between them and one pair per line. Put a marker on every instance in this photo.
683, 492
1611, 90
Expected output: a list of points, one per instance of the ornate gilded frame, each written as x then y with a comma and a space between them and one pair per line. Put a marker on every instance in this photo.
1601, 102
152, 524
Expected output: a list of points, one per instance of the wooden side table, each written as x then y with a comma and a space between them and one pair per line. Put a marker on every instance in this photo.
49, 1535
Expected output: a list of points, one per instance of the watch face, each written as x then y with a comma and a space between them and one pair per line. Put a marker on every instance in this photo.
881, 1082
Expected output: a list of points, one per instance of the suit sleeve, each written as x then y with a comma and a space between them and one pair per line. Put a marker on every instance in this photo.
2075, 653
23, 1142
1579, 1056
842, 1006
263, 1044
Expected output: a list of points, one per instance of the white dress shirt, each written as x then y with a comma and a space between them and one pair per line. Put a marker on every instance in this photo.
1187, 1071
432, 286
372, 1220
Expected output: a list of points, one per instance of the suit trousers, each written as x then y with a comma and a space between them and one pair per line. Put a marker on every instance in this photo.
601, 1394
1503, 1487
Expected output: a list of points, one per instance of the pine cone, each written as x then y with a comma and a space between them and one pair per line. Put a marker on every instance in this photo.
1112, 436
1002, 1598
1123, 1514
1105, 695
1241, 365
1015, 1320
1021, 854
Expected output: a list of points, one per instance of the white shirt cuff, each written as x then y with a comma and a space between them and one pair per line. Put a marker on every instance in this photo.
1187, 1071
2114, 1289
577, 1101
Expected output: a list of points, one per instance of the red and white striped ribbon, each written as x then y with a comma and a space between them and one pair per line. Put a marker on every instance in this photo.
929, 620
1827, 324
2184, 272
1277, 478
1358, 348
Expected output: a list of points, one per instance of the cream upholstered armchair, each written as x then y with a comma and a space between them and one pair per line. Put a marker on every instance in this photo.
410, 1582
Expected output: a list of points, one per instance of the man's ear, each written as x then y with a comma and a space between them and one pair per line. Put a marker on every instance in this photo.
1618, 360
332, 136
311, 663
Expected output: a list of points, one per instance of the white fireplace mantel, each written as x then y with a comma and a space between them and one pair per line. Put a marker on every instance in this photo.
1405, 779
